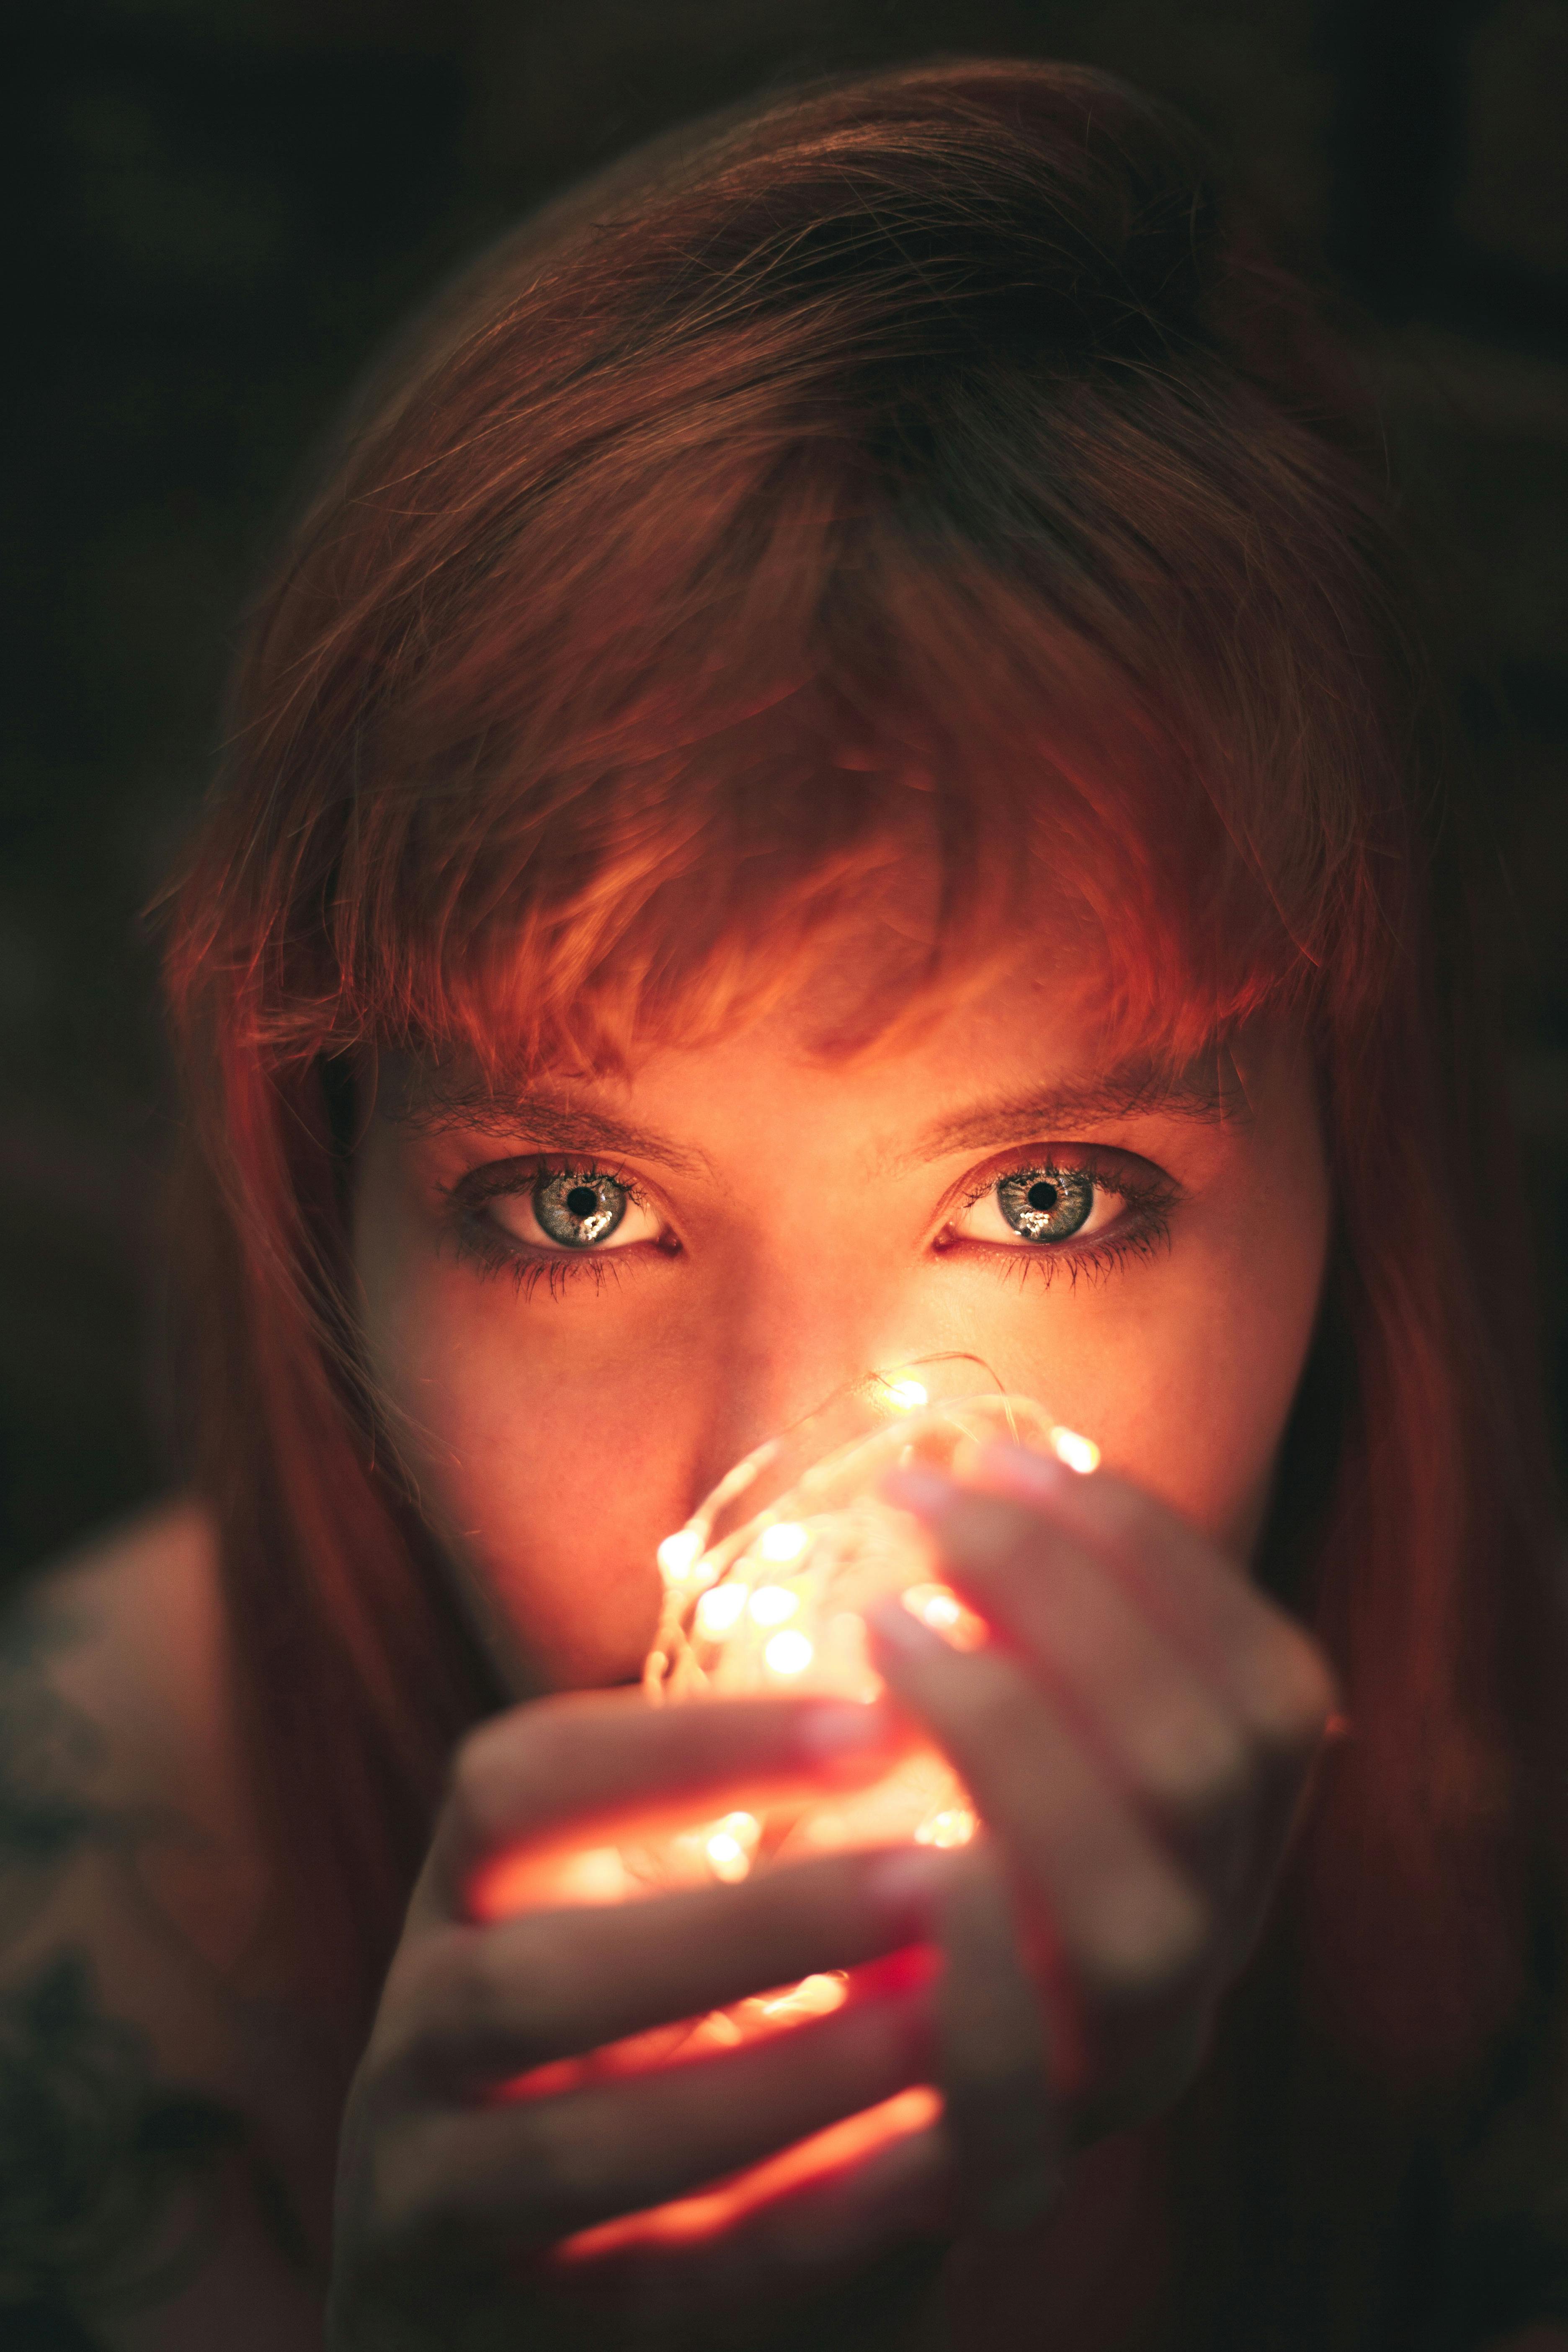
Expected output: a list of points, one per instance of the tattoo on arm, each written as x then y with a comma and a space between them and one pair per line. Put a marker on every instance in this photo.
115, 2186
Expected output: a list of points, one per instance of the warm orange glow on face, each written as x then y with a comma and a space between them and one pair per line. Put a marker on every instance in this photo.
691, 2219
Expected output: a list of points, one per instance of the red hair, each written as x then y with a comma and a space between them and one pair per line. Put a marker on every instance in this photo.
932, 458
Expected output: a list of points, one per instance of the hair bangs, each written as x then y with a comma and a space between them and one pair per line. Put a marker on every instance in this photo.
843, 752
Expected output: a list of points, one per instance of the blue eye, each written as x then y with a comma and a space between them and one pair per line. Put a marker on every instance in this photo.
1046, 1204
1036, 1207
580, 1208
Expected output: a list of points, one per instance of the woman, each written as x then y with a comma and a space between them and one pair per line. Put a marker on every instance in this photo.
837, 769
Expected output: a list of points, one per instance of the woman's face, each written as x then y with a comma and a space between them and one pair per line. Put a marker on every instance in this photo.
584, 1302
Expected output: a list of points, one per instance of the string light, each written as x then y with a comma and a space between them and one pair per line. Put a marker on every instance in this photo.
816, 1995
1079, 1454
789, 1654
783, 1542
719, 1609
773, 1604
729, 1845
938, 1606
954, 1825
749, 1605
679, 1553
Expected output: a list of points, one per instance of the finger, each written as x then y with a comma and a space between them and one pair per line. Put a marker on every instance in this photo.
1003, 2116
1221, 1775
561, 1774
477, 2006
785, 2230
1162, 1733
534, 2172
1268, 1669
1132, 1928
1270, 1677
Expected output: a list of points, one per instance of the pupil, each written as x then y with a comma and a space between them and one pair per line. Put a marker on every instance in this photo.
1043, 1196
582, 1199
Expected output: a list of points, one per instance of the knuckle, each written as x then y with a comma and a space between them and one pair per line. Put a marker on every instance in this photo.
1127, 1518
1148, 1934
561, 2161
1005, 1704
1292, 1697
496, 1765
989, 1533
500, 2001
410, 2185
424, 2019
1195, 1767
480, 1770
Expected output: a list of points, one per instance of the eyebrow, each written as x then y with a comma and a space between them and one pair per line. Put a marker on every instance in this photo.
1208, 1091
429, 1107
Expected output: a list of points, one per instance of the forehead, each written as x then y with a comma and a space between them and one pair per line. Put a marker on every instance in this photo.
1024, 1049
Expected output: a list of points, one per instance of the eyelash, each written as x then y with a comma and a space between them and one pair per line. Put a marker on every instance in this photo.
492, 1252
1144, 1232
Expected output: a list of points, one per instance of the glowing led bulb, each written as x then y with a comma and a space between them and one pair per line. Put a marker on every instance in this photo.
1079, 1454
816, 1995
938, 1606
933, 1604
772, 1604
729, 1845
679, 1554
783, 1542
953, 1826
721, 1610
777, 1596
788, 1653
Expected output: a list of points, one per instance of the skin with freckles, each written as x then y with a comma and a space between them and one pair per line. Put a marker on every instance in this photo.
790, 1219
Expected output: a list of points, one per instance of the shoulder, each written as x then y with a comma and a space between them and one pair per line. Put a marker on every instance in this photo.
145, 2040
117, 1738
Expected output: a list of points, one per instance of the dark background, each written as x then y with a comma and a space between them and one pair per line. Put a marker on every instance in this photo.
220, 207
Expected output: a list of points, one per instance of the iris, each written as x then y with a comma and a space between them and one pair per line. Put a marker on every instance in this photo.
1046, 1204
578, 1208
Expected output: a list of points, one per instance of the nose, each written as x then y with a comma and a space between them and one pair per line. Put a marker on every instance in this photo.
781, 1358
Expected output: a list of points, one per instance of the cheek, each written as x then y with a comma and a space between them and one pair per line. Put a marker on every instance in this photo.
532, 1460
1184, 1370
1206, 1395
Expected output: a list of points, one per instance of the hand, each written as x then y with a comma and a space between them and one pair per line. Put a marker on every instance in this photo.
1137, 1736
456, 2206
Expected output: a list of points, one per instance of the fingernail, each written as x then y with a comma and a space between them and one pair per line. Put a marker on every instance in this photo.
838, 1731
925, 1492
